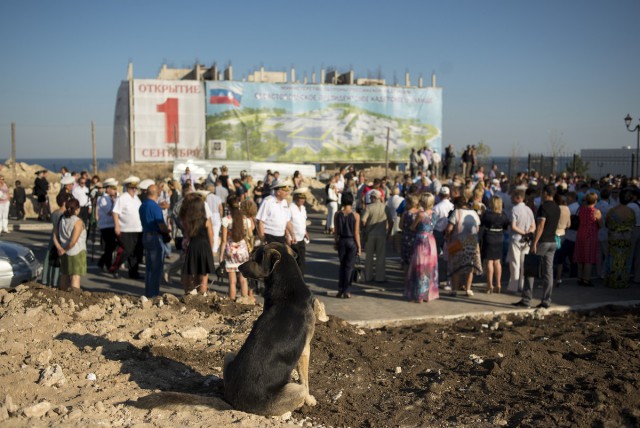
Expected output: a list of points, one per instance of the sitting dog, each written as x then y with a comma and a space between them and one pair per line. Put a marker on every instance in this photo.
258, 378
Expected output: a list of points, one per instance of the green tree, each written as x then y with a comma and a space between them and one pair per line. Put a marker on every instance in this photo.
578, 166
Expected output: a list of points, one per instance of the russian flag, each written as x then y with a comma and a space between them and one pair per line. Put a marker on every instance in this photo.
224, 96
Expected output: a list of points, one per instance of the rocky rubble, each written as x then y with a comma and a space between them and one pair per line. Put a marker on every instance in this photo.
85, 359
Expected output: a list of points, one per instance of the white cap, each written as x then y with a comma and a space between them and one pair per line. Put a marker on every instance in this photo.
110, 182
144, 184
67, 180
131, 180
280, 183
300, 191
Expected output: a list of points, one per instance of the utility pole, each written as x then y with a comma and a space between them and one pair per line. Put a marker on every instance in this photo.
93, 148
386, 154
13, 149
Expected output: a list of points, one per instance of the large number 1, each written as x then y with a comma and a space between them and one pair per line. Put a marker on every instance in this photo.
171, 115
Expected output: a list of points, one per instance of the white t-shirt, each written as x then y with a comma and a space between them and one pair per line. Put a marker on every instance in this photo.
214, 202
127, 208
274, 215
81, 193
442, 211
299, 221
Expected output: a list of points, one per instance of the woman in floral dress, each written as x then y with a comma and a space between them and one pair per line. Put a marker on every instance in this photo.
620, 222
422, 279
408, 235
233, 246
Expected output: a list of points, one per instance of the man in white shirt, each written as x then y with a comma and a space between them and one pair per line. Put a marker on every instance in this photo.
522, 223
299, 225
104, 217
128, 227
274, 216
215, 205
441, 212
81, 193
436, 163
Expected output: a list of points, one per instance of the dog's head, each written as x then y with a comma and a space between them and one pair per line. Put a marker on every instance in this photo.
264, 260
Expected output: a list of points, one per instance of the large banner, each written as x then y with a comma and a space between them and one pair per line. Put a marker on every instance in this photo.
169, 118
311, 123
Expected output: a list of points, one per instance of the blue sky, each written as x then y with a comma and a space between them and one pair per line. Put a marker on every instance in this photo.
519, 76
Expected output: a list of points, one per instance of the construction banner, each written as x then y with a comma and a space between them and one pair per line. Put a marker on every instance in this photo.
311, 123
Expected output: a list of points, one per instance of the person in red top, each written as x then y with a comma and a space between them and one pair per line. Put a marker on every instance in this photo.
586, 250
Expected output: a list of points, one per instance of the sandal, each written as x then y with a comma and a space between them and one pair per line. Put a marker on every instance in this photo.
498, 289
469, 293
490, 289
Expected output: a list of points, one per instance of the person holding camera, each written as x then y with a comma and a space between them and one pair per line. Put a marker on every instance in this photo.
522, 226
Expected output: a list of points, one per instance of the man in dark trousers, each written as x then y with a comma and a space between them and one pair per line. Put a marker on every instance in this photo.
40, 190
18, 200
544, 244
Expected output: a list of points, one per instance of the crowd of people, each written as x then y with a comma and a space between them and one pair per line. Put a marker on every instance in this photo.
448, 229
212, 220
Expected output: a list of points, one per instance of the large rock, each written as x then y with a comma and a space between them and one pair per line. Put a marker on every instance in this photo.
51, 376
37, 410
195, 333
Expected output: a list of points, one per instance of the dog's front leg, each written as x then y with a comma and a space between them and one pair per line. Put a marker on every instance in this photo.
303, 371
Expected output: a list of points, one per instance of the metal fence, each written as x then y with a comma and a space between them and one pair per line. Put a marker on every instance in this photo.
595, 166
591, 165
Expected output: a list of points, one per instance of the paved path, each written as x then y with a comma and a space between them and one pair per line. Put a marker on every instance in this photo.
372, 305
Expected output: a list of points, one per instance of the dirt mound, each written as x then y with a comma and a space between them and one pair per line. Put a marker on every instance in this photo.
93, 358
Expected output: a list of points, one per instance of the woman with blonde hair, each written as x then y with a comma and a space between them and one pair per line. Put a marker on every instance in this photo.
493, 222
408, 235
462, 246
422, 277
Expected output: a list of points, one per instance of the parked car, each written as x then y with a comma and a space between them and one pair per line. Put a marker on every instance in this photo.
18, 264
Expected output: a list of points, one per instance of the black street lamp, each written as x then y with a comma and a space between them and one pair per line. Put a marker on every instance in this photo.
627, 121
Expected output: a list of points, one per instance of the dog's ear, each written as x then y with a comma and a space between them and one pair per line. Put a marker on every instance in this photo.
263, 261
270, 258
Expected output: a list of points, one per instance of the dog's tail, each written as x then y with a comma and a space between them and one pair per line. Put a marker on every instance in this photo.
177, 401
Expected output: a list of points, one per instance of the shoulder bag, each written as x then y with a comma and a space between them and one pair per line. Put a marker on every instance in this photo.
455, 246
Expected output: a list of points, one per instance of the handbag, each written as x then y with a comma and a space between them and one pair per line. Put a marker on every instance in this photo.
455, 246
558, 242
358, 271
532, 266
